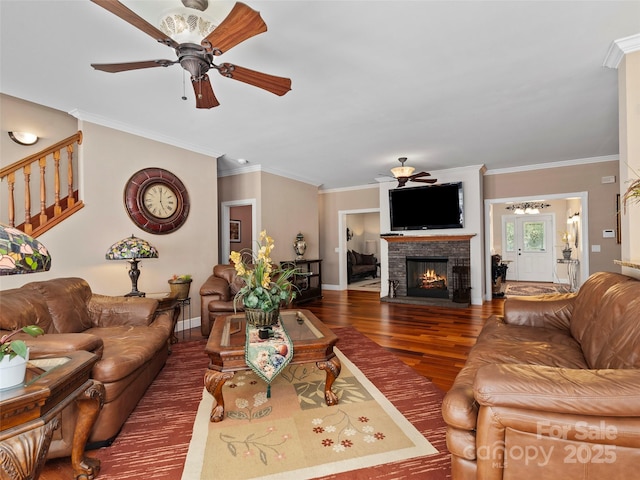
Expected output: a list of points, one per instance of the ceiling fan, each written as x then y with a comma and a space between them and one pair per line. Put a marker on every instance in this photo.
242, 23
405, 174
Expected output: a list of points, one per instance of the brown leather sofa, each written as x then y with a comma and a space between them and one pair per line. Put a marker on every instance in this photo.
127, 333
216, 295
360, 265
552, 388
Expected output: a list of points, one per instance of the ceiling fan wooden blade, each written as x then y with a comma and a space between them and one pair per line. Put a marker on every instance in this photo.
205, 97
123, 67
425, 180
420, 174
118, 9
242, 23
271, 83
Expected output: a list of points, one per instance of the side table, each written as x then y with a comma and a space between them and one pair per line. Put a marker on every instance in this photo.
185, 304
30, 414
168, 303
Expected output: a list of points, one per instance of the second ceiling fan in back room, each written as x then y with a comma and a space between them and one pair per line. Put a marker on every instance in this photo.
405, 174
242, 23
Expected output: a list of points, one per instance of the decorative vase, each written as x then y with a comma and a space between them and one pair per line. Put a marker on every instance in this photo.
260, 318
566, 254
180, 289
299, 246
12, 371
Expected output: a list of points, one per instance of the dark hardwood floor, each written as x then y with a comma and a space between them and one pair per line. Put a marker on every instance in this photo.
434, 341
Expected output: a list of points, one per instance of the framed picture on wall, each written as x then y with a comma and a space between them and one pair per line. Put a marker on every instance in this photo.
234, 231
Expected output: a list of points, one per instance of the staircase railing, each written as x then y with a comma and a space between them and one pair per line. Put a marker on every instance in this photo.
59, 207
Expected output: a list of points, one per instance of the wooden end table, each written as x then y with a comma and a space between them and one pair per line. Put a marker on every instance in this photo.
29, 414
312, 341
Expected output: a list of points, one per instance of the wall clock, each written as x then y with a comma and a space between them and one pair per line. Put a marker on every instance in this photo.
156, 200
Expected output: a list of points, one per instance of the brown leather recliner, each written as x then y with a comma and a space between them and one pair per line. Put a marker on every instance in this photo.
128, 335
552, 388
216, 296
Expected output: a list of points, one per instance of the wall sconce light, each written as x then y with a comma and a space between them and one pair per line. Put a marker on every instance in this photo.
23, 138
349, 234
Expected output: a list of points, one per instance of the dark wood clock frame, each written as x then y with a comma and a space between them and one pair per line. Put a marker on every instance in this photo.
140, 215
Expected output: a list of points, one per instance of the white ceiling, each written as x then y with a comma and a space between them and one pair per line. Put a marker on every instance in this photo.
444, 83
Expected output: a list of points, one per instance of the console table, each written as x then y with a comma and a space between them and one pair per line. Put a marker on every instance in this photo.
308, 279
30, 412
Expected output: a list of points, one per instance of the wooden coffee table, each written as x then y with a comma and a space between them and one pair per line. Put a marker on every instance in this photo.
312, 341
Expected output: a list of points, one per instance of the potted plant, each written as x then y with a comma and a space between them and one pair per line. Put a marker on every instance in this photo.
179, 286
266, 288
566, 251
14, 355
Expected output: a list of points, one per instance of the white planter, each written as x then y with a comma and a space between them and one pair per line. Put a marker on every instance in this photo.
12, 371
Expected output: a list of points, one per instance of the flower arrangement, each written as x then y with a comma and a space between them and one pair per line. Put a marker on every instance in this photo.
266, 287
565, 237
13, 348
181, 278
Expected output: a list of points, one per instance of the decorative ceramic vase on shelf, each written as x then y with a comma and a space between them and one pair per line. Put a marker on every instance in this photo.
260, 318
299, 246
566, 253
12, 371
180, 286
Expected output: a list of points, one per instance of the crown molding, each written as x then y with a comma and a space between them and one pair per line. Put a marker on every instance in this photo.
619, 48
128, 128
564, 163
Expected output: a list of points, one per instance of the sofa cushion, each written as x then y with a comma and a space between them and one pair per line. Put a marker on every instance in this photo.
128, 348
352, 257
67, 300
20, 307
368, 259
106, 311
587, 304
615, 340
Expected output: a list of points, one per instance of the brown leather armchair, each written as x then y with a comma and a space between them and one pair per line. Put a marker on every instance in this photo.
216, 296
552, 388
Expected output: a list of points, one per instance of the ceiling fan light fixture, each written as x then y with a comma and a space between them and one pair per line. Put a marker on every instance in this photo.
196, 4
402, 171
186, 27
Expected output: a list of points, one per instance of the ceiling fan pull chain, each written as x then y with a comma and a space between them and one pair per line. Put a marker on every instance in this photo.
184, 88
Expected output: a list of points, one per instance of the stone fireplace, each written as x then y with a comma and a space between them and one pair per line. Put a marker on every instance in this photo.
430, 269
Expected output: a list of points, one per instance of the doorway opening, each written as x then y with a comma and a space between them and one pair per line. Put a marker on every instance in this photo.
238, 227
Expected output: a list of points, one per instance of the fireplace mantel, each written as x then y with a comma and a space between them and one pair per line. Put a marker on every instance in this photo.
427, 238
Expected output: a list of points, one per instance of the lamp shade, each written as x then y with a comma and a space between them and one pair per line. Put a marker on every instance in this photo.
21, 253
131, 248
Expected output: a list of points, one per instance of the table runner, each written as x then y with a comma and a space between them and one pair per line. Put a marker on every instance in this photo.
267, 357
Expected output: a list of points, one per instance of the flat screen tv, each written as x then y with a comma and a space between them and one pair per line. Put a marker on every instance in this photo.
427, 207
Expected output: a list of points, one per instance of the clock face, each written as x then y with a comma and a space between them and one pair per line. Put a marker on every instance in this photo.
156, 200
160, 200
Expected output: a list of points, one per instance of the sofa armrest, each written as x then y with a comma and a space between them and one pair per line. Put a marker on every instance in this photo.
60, 343
217, 288
614, 393
107, 311
547, 311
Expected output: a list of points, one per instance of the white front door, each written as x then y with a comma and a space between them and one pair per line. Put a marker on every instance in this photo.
528, 241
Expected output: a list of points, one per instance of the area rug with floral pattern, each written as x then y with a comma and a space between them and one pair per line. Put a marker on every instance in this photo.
294, 434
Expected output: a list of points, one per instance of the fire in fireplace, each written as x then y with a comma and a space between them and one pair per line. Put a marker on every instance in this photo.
427, 277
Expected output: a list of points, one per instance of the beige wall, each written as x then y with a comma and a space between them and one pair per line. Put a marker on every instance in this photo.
108, 159
331, 202
285, 208
629, 111
570, 179
242, 213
